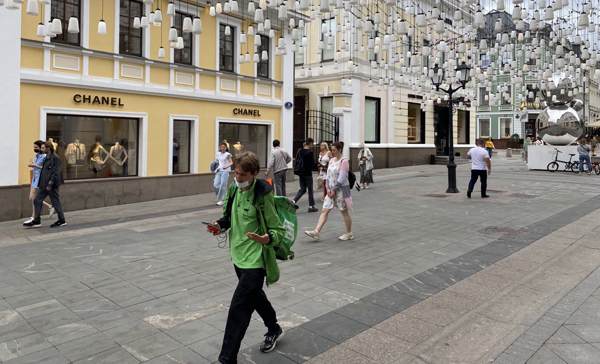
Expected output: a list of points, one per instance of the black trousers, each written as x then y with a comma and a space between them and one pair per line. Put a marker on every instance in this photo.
474, 175
54, 199
248, 297
306, 183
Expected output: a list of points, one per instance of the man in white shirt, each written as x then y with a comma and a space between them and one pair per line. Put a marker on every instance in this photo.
481, 165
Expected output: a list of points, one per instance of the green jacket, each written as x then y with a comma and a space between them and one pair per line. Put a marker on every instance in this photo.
253, 211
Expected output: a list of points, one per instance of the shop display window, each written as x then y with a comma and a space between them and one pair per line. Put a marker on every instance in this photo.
95, 147
246, 137
181, 146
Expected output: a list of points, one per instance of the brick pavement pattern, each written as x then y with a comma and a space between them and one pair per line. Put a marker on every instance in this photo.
430, 278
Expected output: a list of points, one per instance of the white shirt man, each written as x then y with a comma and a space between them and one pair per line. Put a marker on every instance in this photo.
481, 165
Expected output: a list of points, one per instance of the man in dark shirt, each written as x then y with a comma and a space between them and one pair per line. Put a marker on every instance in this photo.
303, 168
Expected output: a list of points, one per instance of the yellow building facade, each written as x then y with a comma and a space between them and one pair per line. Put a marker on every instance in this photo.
122, 102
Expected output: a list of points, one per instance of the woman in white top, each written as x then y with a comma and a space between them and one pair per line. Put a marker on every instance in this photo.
338, 193
365, 160
324, 157
222, 173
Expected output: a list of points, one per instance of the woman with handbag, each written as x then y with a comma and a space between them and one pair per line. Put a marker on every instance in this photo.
365, 161
324, 157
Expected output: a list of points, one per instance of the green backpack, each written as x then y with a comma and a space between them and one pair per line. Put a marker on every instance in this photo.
286, 211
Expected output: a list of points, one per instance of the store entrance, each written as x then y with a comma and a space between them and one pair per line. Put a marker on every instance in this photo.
440, 125
300, 106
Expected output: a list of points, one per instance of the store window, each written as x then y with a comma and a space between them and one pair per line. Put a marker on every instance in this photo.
415, 123
64, 10
226, 48
182, 141
246, 138
185, 55
263, 66
484, 128
130, 39
95, 147
462, 127
372, 119
328, 33
505, 127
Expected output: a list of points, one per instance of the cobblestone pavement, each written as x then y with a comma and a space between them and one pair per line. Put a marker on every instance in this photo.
430, 278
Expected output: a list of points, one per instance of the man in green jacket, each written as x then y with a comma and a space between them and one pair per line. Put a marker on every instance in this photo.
254, 229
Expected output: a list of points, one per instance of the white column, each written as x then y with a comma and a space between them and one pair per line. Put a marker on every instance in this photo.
345, 119
10, 43
287, 115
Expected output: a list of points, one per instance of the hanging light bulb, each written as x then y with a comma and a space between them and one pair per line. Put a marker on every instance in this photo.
187, 25
33, 7
102, 27
197, 26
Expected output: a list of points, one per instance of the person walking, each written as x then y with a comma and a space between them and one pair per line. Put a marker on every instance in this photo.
584, 155
481, 166
222, 173
365, 161
278, 165
489, 146
48, 185
324, 157
39, 148
254, 229
338, 194
306, 162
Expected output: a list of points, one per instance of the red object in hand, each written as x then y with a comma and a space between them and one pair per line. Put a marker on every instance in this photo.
269, 181
214, 229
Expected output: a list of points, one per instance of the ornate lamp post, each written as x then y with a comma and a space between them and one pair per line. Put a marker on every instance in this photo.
463, 73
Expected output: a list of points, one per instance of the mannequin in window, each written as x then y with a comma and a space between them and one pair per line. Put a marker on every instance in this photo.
118, 156
97, 156
51, 140
239, 147
75, 152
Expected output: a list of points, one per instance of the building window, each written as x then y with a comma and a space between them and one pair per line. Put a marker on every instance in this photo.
185, 55
414, 123
372, 119
483, 97
506, 96
95, 146
130, 39
246, 138
505, 127
263, 66
182, 141
327, 104
64, 10
484, 128
463, 126
328, 36
226, 48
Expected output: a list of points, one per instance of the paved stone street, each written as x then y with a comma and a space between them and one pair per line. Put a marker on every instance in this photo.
430, 278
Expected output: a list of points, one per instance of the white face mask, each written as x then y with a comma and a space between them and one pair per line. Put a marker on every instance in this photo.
242, 185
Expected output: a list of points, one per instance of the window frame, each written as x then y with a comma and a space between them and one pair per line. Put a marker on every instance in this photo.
482, 101
502, 129
510, 101
489, 121
130, 29
190, 141
222, 40
178, 24
418, 128
63, 38
377, 100
264, 64
334, 33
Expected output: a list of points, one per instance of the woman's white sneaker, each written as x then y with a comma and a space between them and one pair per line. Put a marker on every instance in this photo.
346, 236
312, 234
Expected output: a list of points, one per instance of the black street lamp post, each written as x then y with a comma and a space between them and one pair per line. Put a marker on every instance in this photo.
437, 78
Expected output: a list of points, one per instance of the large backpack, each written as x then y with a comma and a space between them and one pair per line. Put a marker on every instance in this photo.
286, 211
298, 164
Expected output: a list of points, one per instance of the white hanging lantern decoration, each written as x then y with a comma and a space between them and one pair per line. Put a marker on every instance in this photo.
251, 30
227, 30
173, 34
258, 16
227, 7
197, 26
102, 27
402, 28
161, 53
243, 38
420, 19
264, 56
41, 30
171, 9
235, 6
158, 17
219, 8
137, 23
247, 57
583, 21
256, 57
144, 22
517, 13
282, 13
187, 25
257, 41
267, 24
212, 11
272, 33
151, 17
180, 44
73, 26
251, 8
281, 43
324, 7
500, 5
260, 28
263, 4
549, 13
33, 7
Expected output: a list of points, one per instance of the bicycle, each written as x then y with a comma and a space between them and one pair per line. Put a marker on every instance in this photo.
596, 167
570, 165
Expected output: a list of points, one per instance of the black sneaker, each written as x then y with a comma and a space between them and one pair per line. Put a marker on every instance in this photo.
313, 209
468, 194
32, 224
485, 196
59, 223
271, 341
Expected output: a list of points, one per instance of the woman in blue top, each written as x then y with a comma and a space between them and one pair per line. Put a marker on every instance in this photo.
36, 168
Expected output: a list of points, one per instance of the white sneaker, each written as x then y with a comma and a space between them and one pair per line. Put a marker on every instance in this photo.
52, 212
312, 234
346, 236
28, 220
220, 203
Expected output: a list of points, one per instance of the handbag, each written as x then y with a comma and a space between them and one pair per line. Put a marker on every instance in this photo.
214, 165
319, 183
